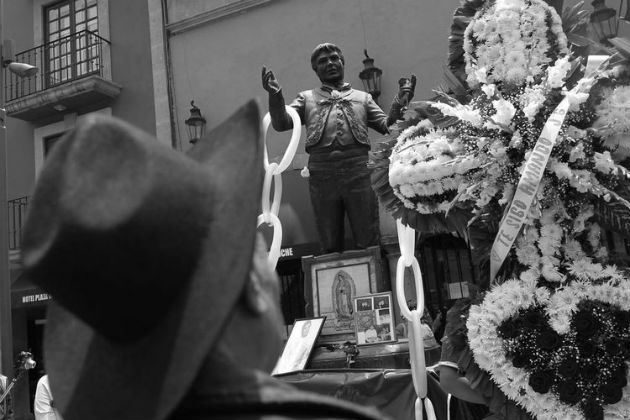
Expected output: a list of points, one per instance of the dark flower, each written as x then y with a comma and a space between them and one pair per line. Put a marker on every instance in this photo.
549, 340
569, 368
593, 410
569, 392
586, 348
585, 324
611, 394
622, 318
541, 381
619, 377
519, 360
613, 347
533, 319
511, 328
589, 371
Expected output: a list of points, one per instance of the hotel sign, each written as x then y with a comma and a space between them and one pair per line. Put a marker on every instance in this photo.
29, 297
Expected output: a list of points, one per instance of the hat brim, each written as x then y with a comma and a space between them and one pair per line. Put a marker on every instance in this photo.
92, 377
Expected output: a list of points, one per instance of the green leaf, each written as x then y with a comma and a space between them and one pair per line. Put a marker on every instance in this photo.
482, 229
614, 215
579, 40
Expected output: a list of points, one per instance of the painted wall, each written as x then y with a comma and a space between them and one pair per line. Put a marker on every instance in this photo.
20, 151
218, 64
131, 63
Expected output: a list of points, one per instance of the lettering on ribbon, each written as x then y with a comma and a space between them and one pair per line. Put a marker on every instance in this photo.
526, 189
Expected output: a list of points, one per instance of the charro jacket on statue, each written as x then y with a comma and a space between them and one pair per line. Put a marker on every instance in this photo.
343, 114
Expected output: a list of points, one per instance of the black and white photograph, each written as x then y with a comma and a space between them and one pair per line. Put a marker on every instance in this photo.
299, 345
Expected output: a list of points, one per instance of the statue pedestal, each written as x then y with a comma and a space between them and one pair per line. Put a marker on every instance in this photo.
377, 356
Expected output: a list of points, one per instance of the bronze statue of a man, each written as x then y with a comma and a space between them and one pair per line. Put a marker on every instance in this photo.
337, 118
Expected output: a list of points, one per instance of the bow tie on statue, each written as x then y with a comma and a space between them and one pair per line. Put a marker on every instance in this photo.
336, 98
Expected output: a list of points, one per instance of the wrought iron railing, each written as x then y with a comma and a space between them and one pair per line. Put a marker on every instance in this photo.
61, 61
17, 216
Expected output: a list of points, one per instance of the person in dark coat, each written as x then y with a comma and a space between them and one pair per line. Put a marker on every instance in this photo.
165, 305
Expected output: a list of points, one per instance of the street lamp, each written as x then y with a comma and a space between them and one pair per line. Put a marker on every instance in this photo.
196, 123
6, 328
604, 21
20, 69
371, 77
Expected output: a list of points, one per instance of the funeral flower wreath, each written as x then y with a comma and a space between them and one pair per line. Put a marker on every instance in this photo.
525, 156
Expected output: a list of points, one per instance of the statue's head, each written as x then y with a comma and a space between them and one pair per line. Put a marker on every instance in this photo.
328, 63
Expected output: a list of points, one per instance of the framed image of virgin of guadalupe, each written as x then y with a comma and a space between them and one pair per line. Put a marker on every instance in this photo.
332, 281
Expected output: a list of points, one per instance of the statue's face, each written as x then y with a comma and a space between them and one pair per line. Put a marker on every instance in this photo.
329, 67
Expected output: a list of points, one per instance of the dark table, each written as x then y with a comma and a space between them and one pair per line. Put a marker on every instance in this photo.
389, 390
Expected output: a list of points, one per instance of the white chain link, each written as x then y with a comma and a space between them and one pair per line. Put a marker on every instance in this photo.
274, 171
407, 243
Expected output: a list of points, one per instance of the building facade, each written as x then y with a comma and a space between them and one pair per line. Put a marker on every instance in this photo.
92, 56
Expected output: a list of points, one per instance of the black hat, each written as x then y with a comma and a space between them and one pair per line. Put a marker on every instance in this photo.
145, 251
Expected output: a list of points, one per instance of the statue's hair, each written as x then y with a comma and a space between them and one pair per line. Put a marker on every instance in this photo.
325, 47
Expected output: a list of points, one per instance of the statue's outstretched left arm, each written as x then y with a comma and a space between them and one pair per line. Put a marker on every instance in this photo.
406, 90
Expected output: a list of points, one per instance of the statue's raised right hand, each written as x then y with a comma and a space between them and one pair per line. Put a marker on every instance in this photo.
269, 81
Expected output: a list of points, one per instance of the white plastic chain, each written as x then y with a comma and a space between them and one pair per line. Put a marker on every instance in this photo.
274, 171
407, 243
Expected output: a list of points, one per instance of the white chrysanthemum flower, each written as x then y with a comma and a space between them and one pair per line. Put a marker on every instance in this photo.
509, 4
504, 112
552, 231
547, 247
524, 50
580, 268
581, 180
407, 191
516, 75
577, 152
527, 254
551, 273
489, 89
479, 28
557, 72
515, 57
463, 112
604, 163
530, 276
576, 98
612, 122
561, 169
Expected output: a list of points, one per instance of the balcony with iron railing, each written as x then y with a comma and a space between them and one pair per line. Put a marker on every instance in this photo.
74, 74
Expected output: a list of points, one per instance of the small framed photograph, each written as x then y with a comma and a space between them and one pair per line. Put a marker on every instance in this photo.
382, 302
364, 304
375, 323
299, 345
332, 281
